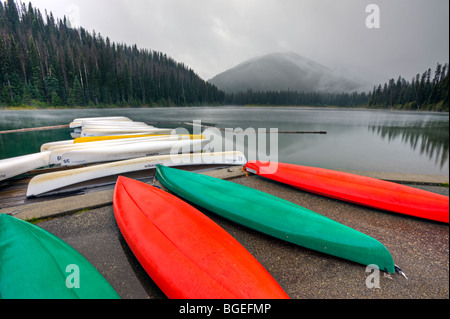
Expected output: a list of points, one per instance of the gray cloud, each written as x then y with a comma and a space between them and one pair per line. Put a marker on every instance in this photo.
211, 36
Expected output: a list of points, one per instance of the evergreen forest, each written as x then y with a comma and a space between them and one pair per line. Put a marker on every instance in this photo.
426, 92
44, 62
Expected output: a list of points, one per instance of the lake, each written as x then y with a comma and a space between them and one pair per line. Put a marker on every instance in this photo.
356, 139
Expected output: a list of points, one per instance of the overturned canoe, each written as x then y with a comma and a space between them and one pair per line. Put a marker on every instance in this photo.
15, 166
276, 217
46, 146
185, 253
128, 151
58, 150
35, 264
45, 183
119, 137
358, 189
79, 121
120, 130
114, 124
113, 128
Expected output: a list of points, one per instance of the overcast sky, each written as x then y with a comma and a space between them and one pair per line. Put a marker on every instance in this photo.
211, 36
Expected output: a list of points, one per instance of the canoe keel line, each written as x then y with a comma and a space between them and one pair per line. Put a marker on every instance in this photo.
185, 253
358, 189
34, 264
45, 183
12, 167
276, 217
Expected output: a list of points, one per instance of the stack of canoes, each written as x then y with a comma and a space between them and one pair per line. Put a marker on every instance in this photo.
184, 252
111, 146
107, 126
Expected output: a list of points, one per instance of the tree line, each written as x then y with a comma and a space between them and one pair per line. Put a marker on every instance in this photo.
424, 92
46, 62
296, 98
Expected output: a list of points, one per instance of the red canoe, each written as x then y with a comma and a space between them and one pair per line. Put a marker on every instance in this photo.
358, 189
185, 253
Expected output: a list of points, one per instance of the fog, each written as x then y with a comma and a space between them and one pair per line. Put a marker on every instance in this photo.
211, 36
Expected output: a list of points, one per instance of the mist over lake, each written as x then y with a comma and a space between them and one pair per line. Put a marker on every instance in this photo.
367, 140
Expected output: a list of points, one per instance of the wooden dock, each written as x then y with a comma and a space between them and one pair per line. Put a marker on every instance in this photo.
13, 192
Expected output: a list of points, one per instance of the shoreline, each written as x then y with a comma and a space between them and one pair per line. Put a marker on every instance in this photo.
111, 107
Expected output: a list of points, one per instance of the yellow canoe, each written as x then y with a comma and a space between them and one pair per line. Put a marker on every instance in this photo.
115, 137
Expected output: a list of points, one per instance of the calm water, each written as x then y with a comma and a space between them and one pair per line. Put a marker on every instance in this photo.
404, 142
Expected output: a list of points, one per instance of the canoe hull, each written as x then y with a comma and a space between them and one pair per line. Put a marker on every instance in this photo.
360, 190
118, 131
45, 183
276, 217
36, 264
118, 137
79, 121
15, 166
58, 150
128, 151
186, 254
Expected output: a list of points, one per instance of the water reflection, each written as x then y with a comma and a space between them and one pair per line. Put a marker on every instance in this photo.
430, 138
18, 144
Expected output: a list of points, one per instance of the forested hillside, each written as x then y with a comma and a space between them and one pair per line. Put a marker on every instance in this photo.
425, 92
296, 98
45, 62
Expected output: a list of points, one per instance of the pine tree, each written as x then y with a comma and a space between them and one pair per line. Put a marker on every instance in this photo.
78, 97
12, 15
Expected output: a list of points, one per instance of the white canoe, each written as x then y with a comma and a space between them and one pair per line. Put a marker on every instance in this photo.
58, 150
15, 166
45, 147
126, 136
78, 122
118, 131
138, 138
113, 128
45, 183
89, 124
128, 151
75, 135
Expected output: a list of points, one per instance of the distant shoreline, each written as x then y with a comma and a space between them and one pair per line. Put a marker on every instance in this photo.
55, 108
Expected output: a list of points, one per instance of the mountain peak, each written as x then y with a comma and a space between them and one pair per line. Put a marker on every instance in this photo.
281, 71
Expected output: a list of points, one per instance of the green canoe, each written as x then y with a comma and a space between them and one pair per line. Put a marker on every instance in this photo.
35, 264
276, 217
